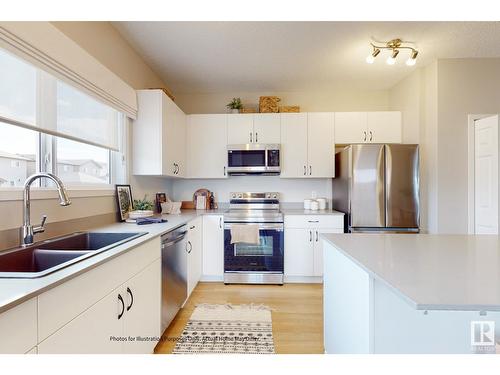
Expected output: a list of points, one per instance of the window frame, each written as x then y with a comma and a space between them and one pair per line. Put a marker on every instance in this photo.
46, 151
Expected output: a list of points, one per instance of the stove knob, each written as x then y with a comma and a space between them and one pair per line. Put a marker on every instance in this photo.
233, 196
268, 195
240, 196
275, 196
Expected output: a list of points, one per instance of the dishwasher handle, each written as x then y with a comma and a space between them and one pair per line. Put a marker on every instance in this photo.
179, 238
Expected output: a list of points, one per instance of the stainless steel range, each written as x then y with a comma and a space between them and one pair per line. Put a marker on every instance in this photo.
251, 263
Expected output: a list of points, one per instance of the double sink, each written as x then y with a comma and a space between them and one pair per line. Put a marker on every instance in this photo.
45, 257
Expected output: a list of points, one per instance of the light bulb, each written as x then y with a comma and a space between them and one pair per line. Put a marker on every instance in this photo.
411, 62
370, 59
391, 60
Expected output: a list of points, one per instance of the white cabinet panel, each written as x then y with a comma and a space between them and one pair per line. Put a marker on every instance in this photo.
240, 129
350, 127
18, 328
299, 252
207, 146
90, 332
194, 243
142, 295
318, 249
213, 247
266, 127
320, 144
293, 145
384, 127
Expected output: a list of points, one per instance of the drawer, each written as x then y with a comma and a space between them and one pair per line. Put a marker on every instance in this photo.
314, 221
18, 328
58, 306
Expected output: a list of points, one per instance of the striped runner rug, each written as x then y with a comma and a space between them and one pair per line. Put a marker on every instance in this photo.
231, 329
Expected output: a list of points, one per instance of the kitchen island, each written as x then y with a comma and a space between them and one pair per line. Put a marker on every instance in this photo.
411, 293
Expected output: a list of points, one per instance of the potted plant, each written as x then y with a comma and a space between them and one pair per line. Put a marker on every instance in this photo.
235, 105
142, 208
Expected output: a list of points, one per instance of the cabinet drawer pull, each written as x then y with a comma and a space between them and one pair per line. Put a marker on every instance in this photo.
250, 137
313, 221
131, 299
256, 137
192, 227
310, 170
371, 136
364, 139
310, 236
317, 236
305, 170
123, 306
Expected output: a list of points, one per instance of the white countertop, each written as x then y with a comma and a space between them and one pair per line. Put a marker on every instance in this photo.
432, 272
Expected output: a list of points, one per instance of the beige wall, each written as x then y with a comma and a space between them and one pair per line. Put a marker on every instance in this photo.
465, 86
335, 99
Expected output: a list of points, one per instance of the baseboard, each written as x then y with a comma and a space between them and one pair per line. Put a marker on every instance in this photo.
304, 279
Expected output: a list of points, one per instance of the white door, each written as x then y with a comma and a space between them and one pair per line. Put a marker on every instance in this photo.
213, 247
90, 332
486, 175
321, 146
299, 252
142, 295
266, 128
293, 145
384, 127
350, 127
194, 243
207, 146
240, 129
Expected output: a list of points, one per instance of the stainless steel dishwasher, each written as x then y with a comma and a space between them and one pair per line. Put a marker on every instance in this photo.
173, 274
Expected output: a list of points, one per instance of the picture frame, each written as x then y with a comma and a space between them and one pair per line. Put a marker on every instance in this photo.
160, 198
124, 201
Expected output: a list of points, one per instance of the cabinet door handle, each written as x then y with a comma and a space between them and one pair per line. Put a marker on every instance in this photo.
305, 170
224, 170
250, 137
313, 221
364, 139
220, 222
174, 169
317, 236
256, 137
190, 247
123, 306
192, 227
310, 170
310, 236
131, 299
371, 136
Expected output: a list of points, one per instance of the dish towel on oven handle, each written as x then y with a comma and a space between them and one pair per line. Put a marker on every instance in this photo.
245, 233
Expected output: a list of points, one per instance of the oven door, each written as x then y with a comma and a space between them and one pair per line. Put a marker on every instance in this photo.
267, 256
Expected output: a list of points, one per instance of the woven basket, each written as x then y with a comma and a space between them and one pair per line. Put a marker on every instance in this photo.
269, 104
289, 108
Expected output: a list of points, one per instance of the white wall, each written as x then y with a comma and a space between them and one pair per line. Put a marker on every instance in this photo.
292, 190
336, 99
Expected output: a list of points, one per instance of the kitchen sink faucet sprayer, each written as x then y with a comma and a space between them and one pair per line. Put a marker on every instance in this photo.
28, 230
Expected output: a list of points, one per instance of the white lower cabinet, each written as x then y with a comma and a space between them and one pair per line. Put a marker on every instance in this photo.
18, 328
99, 310
213, 248
303, 248
194, 244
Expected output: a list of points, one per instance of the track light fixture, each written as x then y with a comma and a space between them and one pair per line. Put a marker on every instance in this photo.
394, 46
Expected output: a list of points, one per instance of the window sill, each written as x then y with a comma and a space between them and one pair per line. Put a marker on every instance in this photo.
16, 193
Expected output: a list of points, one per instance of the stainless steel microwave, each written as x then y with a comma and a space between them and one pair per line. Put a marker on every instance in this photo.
253, 159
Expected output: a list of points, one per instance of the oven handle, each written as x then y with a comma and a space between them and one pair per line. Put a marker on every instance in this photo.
262, 226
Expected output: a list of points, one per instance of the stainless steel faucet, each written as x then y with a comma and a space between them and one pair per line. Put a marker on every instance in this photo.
28, 230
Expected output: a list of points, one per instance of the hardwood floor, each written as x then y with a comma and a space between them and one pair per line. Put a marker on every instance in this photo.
297, 313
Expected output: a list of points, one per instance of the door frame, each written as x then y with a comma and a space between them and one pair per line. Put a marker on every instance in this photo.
472, 118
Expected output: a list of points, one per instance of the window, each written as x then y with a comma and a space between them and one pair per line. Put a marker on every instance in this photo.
18, 154
84, 158
32, 100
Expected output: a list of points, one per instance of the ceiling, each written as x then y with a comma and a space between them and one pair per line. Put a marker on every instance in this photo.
207, 57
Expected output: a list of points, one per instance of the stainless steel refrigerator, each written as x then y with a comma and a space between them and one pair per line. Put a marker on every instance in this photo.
377, 187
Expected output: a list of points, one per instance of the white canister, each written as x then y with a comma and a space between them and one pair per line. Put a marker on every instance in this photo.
314, 205
307, 204
322, 203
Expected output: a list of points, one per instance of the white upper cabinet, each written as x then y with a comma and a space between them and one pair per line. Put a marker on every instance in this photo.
159, 136
206, 146
350, 127
253, 128
320, 144
240, 129
368, 127
307, 145
293, 145
266, 127
384, 127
